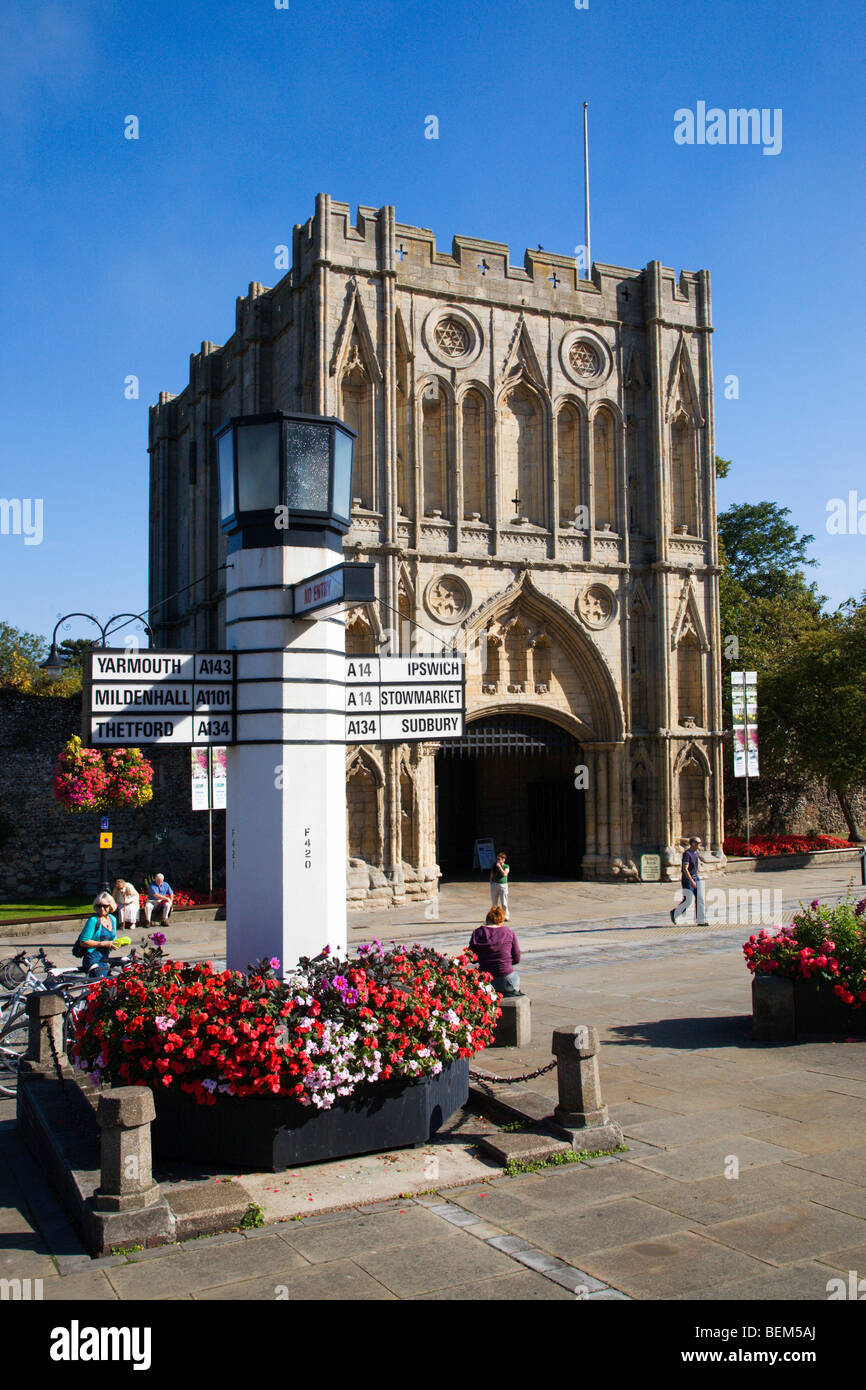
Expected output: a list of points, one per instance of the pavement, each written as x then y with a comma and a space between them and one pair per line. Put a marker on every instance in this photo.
744, 1178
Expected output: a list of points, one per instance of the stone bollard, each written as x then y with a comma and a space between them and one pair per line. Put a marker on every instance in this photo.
514, 1026
127, 1207
45, 1026
124, 1116
581, 1115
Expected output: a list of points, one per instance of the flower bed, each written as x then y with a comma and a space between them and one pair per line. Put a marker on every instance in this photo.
820, 964
766, 846
349, 1036
183, 899
315, 1036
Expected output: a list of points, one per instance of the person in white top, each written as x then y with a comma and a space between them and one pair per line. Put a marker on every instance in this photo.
128, 905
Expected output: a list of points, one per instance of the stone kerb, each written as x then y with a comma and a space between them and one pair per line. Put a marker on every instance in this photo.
581, 1114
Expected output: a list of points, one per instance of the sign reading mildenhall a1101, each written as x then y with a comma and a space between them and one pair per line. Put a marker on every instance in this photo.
404, 699
137, 697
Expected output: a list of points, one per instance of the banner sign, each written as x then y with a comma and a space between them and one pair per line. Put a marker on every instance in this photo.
744, 709
208, 778
136, 697
404, 699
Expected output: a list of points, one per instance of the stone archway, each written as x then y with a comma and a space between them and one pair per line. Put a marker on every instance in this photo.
511, 778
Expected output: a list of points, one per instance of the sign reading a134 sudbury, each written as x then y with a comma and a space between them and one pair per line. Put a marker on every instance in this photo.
405, 699
136, 697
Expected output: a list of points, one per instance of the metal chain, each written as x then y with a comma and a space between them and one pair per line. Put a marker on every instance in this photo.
509, 1080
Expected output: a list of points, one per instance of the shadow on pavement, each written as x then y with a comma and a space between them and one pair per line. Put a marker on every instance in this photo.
691, 1034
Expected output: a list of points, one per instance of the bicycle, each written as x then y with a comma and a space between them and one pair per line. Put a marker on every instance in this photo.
72, 983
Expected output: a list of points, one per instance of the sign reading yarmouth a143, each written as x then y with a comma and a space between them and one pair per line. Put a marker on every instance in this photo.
136, 697
404, 699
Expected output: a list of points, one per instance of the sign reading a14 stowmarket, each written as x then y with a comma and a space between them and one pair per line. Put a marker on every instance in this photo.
139, 697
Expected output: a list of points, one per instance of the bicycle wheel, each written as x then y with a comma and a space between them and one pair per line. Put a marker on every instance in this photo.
13, 1045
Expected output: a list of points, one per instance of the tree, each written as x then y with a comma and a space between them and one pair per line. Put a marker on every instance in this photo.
20, 654
765, 552
73, 650
815, 705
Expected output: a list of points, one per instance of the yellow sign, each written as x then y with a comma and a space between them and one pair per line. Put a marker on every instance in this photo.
105, 839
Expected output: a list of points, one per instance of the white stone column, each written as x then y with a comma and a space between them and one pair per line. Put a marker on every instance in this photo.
286, 795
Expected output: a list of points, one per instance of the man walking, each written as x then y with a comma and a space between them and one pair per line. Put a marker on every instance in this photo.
692, 884
499, 883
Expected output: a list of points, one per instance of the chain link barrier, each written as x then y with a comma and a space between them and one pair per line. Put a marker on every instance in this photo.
510, 1080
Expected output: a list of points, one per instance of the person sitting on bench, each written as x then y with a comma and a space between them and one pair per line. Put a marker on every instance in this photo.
159, 900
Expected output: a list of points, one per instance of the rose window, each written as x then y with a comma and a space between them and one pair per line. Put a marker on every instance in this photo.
584, 359
451, 338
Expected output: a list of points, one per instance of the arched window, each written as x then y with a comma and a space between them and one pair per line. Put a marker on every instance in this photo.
690, 685
570, 461
640, 819
692, 799
474, 421
356, 396
603, 470
362, 815
492, 671
433, 450
403, 460
522, 474
360, 640
684, 507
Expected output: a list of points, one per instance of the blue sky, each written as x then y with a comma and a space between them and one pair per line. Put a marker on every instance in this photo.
121, 256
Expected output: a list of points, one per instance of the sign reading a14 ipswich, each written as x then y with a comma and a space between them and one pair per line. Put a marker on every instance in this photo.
404, 699
159, 696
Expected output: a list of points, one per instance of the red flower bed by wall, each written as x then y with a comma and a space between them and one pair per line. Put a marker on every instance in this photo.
315, 1036
765, 845
182, 899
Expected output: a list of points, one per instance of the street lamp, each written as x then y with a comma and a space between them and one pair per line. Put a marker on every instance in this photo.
54, 665
285, 480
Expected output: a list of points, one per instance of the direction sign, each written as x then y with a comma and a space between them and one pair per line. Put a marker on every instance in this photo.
159, 697
404, 699
334, 587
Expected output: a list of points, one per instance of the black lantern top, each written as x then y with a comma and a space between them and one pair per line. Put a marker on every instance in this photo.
285, 479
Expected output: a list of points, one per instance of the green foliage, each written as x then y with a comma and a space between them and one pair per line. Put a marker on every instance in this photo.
763, 550
515, 1168
723, 467
20, 657
252, 1218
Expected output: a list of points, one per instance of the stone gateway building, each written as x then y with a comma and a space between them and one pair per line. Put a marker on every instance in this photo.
535, 482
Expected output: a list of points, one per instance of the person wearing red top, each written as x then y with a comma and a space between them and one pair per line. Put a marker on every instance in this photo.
498, 952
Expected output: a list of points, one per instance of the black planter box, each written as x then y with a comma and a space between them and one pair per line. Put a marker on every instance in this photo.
272, 1133
785, 1010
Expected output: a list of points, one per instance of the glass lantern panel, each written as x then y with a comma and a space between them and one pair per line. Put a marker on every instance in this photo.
308, 450
258, 467
226, 457
343, 450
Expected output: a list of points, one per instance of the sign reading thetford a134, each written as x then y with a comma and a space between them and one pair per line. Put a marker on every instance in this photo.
137, 697
404, 699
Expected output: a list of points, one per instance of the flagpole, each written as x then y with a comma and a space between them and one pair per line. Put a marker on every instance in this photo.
586, 186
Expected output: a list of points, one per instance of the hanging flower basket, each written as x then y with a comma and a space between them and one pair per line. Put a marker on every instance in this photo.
87, 779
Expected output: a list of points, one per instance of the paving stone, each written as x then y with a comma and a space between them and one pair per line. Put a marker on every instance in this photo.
373, 1208
160, 1252
677, 1130
708, 1160
572, 1234
323, 1218
579, 1186
458, 1216
339, 1281
851, 1258
483, 1230
577, 1281
19, 1263
537, 1259
87, 1285
795, 1282
197, 1271
756, 1189
215, 1241
435, 1264
661, 1269
849, 1164
799, 1231
509, 1243
610, 1294
522, 1286
349, 1238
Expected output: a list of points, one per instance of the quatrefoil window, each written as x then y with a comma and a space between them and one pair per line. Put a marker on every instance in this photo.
451, 338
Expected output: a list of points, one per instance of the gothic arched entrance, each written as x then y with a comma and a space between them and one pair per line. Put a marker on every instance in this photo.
511, 779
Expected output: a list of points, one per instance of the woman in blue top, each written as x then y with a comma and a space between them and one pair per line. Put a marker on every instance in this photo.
98, 935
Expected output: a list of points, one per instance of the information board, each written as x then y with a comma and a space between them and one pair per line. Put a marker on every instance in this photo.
404, 699
159, 697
